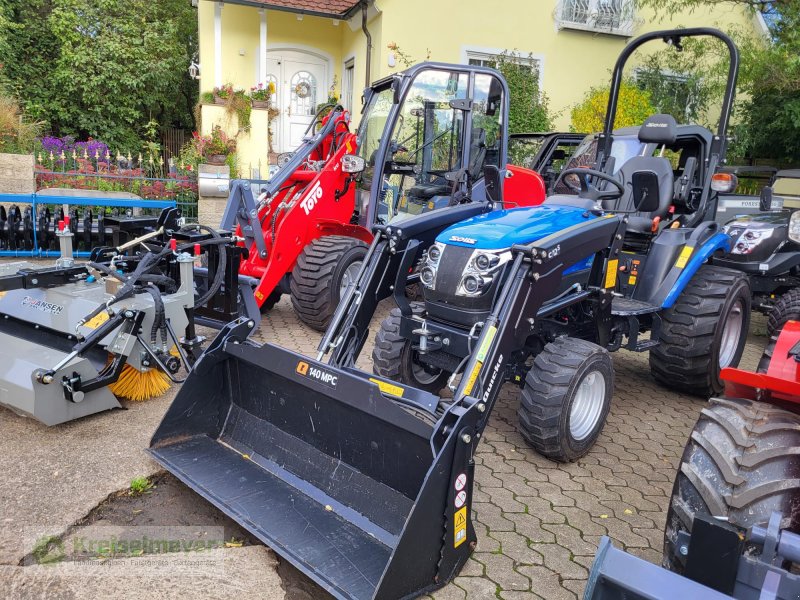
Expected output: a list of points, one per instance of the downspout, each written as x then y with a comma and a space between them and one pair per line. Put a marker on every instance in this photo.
368, 35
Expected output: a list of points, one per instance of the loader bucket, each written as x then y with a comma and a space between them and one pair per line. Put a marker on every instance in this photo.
360, 494
617, 575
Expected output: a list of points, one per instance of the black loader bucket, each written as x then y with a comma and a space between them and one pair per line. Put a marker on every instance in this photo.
364, 490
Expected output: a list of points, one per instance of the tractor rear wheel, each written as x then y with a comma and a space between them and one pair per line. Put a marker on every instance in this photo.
323, 271
786, 308
394, 358
566, 398
740, 464
703, 332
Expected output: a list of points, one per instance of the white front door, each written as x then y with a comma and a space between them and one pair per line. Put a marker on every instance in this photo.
302, 85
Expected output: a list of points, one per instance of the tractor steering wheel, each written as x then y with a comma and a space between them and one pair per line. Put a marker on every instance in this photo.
588, 190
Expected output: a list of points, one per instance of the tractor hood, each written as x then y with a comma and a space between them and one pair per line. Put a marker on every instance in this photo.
504, 228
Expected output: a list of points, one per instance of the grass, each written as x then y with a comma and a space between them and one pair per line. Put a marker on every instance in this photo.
139, 486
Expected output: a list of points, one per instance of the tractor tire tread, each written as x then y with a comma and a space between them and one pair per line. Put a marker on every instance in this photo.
786, 308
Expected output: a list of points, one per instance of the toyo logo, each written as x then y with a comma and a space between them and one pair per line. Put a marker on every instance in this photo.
312, 198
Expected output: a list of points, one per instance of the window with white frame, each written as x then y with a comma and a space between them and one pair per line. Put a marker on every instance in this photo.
616, 17
348, 78
483, 58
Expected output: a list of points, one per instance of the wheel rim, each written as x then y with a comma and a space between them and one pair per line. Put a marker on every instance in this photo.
421, 374
349, 275
587, 405
731, 334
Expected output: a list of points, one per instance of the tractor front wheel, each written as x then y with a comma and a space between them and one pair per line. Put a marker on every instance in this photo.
323, 271
703, 332
566, 398
394, 358
740, 465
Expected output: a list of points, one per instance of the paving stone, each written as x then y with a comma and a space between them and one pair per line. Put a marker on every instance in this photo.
545, 583
500, 569
559, 559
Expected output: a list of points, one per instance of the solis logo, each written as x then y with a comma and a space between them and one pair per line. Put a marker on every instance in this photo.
321, 375
310, 201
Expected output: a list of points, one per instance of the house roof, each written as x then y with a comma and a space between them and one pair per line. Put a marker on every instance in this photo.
331, 8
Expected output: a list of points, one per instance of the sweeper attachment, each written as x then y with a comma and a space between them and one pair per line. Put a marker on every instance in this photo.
76, 336
732, 529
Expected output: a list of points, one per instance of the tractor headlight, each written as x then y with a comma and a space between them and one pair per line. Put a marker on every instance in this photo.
481, 270
430, 265
750, 239
794, 227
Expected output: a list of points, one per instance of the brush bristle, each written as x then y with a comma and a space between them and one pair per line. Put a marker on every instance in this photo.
137, 385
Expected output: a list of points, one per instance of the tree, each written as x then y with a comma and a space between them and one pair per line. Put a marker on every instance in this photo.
528, 103
103, 68
633, 107
767, 112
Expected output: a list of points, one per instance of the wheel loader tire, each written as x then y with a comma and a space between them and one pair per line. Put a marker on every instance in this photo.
394, 358
706, 326
566, 398
317, 277
741, 464
786, 308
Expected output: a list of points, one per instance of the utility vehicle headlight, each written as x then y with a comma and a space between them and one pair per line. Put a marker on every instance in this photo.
794, 227
482, 267
427, 273
750, 239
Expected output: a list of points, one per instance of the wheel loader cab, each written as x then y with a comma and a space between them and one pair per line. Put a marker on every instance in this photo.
427, 135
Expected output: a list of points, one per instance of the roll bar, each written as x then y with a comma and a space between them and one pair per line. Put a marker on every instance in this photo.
673, 37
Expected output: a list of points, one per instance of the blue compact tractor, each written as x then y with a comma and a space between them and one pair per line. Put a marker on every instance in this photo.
556, 288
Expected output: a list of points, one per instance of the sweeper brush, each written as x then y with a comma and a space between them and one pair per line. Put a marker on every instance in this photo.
77, 336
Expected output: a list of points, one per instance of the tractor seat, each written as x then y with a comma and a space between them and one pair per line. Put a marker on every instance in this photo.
662, 131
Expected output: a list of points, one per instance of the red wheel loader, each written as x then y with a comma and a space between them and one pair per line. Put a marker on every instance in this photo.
733, 527
308, 231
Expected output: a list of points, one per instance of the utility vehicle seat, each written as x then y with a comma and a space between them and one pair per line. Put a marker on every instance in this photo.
477, 154
662, 131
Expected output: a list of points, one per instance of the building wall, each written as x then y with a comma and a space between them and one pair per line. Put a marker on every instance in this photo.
574, 61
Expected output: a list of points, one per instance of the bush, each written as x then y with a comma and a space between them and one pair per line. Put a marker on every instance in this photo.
633, 107
17, 132
529, 105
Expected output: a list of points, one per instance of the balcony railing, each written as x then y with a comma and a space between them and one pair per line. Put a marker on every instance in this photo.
615, 17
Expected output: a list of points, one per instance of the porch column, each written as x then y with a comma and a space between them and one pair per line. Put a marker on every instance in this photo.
262, 48
218, 44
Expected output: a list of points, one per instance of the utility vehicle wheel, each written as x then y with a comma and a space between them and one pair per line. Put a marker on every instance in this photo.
786, 308
323, 271
394, 358
704, 331
566, 398
740, 464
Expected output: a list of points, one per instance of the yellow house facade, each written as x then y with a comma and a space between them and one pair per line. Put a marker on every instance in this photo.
313, 49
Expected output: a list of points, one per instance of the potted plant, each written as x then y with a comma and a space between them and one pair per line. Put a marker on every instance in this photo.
221, 94
261, 94
217, 146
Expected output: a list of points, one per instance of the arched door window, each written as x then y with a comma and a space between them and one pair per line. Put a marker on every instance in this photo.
303, 93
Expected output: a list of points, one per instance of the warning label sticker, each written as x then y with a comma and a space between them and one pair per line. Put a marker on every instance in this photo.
461, 481
473, 377
461, 498
460, 527
388, 388
611, 273
684, 257
484, 349
97, 320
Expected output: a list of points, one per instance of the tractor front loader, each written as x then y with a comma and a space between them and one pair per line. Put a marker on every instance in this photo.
307, 232
732, 529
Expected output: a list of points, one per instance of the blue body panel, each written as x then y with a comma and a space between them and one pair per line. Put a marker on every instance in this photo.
503, 228
719, 241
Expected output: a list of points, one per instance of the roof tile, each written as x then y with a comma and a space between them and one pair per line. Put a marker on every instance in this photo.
329, 7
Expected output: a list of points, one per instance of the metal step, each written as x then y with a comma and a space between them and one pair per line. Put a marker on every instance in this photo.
624, 307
